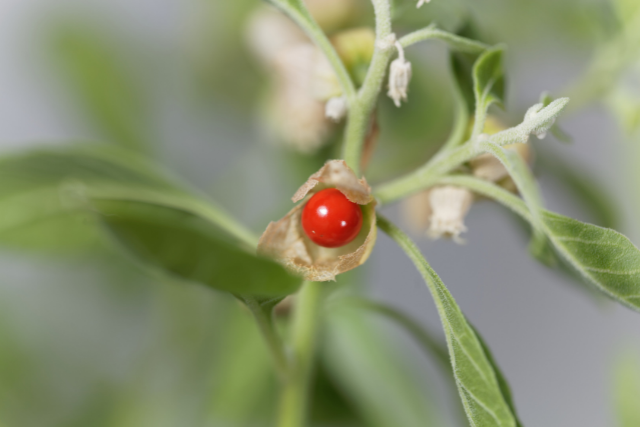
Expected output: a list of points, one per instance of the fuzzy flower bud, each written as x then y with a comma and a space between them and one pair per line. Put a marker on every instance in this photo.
336, 108
449, 206
399, 77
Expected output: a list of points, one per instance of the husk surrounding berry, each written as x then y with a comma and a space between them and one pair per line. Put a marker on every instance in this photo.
286, 241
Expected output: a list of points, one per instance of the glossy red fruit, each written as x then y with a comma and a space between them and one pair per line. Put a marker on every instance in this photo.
330, 219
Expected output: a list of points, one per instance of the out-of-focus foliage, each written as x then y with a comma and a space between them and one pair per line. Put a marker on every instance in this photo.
627, 389
128, 350
100, 76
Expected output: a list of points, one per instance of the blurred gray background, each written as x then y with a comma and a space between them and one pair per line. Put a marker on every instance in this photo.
555, 344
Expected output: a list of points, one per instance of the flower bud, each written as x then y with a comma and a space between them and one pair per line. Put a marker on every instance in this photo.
399, 77
336, 108
449, 206
421, 2
269, 31
286, 242
332, 15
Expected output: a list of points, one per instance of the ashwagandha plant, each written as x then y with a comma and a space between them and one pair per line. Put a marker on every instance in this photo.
170, 229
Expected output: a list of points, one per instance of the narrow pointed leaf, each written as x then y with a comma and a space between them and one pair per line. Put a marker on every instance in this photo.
488, 85
477, 381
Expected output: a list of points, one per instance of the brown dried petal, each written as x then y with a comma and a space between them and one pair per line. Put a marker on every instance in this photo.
285, 240
336, 173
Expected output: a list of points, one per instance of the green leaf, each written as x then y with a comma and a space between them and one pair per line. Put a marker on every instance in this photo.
502, 380
95, 72
183, 244
604, 257
478, 384
52, 196
374, 378
488, 85
244, 387
462, 66
627, 390
38, 194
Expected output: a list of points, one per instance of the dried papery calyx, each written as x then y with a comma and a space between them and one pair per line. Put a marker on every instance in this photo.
286, 241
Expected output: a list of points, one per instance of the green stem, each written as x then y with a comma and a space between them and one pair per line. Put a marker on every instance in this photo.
361, 108
444, 162
490, 190
264, 318
426, 176
455, 42
294, 400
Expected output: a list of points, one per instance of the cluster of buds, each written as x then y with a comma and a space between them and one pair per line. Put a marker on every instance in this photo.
441, 210
306, 98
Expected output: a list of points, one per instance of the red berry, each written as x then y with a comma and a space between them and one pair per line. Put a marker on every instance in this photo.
330, 219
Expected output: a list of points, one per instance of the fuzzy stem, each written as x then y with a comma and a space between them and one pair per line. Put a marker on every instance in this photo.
294, 401
360, 110
458, 43
490, 190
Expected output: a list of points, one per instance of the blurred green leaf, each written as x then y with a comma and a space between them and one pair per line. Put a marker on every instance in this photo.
153, 219
488, 79
478, 384
589, 192
462, 64
363, 365
627, 390
37, 188
330, 406
97, 74
243, 381
183, 244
